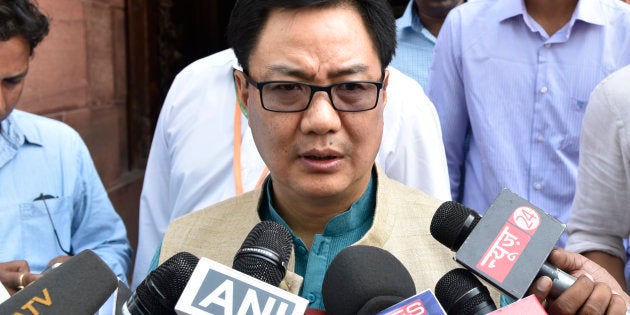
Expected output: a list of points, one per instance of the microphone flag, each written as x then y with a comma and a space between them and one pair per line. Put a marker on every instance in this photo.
217, 289
423, 303
510, 243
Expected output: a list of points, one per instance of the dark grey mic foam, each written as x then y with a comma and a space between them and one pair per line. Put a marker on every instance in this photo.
265, 252
461, 293
159, 291
363, 279
78, 286
452, 223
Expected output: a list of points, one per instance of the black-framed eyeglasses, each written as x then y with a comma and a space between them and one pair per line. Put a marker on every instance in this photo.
43, 198
292, 96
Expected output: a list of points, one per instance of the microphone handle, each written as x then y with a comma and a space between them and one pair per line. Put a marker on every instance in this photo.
561, 280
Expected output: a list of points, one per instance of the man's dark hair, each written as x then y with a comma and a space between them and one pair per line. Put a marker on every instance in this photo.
249, 16
22, 18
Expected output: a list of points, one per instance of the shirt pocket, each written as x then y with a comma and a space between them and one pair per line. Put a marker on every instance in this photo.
38, 228
570, 143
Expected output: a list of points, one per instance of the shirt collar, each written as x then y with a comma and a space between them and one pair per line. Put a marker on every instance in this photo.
507, 9
586, 10
11, 132
12, 137
18, 131
590, 12
407, 19
411, 21
360, 211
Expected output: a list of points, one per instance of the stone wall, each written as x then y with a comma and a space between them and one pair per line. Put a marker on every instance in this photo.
79, 75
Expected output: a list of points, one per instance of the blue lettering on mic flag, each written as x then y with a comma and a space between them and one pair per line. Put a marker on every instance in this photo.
221, 293
217, 289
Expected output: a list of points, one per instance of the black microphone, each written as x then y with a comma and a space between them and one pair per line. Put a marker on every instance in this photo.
251, 285
365, 280
263, 255
461, 293
81, 285
159, 291
452, 224
265, 252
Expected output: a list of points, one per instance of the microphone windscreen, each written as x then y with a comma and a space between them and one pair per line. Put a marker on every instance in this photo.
461, 293
451, 224
359, 274
159, 291
78, 286
265, 252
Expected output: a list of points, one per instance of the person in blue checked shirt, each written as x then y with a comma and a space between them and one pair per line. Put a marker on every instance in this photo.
417, 30
52, 202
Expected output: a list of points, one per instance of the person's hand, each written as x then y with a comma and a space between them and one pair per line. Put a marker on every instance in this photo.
594, 292
15, 275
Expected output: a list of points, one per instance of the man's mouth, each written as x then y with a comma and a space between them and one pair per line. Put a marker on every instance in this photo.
321, 158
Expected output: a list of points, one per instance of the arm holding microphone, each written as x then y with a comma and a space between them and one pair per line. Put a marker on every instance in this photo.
595, 290
15, 275
553, 281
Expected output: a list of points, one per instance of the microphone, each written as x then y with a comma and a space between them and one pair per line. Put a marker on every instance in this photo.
252, 286
78, 286
461, 293
508, 247
160, 290
265, 252
365, 280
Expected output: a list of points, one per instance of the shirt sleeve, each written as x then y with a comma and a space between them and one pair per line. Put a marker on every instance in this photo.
96, 225
154, 200
446, 90
600, 219
412, 151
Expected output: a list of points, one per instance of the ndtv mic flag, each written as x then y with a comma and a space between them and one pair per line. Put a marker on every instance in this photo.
216, 289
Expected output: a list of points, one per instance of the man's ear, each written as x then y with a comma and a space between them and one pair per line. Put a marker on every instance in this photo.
242, 93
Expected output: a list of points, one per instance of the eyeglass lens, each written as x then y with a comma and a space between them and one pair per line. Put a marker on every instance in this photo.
293, 96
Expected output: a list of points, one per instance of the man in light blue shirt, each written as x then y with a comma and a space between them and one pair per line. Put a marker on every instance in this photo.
52, 202
518, 73
417, 30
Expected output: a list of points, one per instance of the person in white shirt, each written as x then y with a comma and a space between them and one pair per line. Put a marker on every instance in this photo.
203, 151
600, 218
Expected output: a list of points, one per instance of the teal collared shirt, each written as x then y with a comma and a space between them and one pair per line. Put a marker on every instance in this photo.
340, 232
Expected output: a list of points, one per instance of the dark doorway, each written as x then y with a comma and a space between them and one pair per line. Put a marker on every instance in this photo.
163, 37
